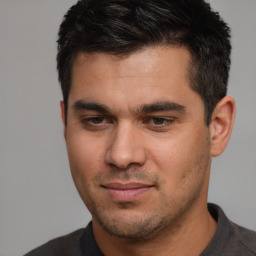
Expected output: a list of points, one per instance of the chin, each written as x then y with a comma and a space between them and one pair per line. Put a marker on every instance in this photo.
133, 226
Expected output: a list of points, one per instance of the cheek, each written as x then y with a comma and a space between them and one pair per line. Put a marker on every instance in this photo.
85, 162
181, 156
85, 158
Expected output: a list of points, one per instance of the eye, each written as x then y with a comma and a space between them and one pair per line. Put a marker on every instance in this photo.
95, 123
96, 119
159, 120
159, 123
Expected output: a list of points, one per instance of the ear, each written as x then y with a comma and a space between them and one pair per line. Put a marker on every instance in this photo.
63, 117
221, 124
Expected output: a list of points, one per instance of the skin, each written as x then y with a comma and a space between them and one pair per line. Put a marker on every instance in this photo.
140, 151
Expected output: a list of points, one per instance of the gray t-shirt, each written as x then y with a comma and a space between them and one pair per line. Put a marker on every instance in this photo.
229, 240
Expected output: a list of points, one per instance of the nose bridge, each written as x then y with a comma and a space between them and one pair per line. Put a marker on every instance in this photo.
125, 146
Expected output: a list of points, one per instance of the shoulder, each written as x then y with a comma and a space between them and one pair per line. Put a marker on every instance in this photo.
61, 246
245, 238
230, 239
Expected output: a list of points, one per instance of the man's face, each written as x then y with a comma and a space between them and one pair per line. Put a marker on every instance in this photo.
138, 146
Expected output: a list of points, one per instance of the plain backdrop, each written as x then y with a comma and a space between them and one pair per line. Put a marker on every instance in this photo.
38, 200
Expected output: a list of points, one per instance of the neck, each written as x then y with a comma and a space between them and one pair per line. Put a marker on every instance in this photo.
189, 236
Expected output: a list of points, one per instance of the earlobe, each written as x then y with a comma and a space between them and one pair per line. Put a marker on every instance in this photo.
221, 125
63, 117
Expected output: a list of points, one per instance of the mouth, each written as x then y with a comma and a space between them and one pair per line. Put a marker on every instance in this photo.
127, 192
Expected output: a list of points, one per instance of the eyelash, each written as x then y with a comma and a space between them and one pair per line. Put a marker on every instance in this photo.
165, 120
101, 122
95, 121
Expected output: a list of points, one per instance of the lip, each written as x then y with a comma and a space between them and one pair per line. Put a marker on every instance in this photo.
127, 192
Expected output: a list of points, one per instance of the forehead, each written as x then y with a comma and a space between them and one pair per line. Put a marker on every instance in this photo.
149, 75
149, 61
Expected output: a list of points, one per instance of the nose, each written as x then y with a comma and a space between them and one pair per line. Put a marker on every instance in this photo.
125, 147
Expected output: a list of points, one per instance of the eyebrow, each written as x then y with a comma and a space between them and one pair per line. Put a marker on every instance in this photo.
145, 108
83, 105
160, 106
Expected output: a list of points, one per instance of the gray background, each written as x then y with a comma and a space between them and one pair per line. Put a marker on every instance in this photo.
37, 198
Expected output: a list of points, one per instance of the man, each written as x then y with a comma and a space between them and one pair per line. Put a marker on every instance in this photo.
144, 110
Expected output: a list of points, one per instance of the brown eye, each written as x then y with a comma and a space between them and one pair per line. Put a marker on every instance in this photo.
158, 120
159, 123
96, 119
96, 123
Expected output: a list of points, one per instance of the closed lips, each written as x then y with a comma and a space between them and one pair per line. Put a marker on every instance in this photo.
126, 192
